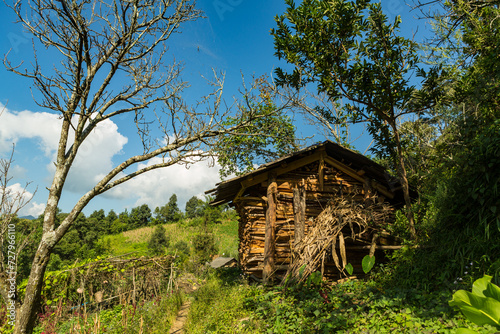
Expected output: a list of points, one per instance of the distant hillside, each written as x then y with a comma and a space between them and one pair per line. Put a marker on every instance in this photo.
28, 217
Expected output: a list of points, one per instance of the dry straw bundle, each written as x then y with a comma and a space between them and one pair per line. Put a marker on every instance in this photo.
343, 218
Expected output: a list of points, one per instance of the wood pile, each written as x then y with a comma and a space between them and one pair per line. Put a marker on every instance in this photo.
280, 202
317, 196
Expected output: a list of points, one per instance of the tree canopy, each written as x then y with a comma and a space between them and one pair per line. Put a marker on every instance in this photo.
350, 51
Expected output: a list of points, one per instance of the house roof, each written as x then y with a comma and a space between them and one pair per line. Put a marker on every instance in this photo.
222, 262
341, 157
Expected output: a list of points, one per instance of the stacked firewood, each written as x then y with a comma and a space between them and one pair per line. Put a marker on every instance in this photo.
252, 211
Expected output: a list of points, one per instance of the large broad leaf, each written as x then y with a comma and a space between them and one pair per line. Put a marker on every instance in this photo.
478, 309
466, 331
368, 263
480, 285
492, 291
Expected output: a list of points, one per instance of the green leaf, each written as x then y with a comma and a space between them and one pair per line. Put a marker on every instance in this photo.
349, 268
492, 291
301, 270
466, 331
480, 285
368, 263
478, 309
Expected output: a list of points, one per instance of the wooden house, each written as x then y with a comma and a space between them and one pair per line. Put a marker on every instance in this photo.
280, 202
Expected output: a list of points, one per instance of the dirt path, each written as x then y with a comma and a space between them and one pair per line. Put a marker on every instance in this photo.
178, 326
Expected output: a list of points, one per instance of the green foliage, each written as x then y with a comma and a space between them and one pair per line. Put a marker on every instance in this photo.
349, 268
274, 135
461, 222
218, 306
367, 263
117, 226
158, 241
112, 216
354, 307
482, 306
155, 316
194, 207
140, 216
182, 251
350, 51
204, 246
169, 213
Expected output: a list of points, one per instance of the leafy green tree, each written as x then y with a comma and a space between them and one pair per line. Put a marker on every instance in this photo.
169, 213
124, 216
98, 214
172, 210
101, 224
117, 226
354, 55
140, 216
204, 246
194, 207
158, 241
274, 134
69, 247
463, 161
112, 216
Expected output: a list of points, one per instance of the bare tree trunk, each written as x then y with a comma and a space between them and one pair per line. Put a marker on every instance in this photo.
404, 183
27, 314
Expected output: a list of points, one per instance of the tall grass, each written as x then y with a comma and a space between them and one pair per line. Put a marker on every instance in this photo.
218, 306
154, 316
225, 233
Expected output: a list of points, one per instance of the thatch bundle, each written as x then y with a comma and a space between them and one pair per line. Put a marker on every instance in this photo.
343, 219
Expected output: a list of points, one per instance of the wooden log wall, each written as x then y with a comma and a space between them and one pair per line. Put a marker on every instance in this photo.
319, 183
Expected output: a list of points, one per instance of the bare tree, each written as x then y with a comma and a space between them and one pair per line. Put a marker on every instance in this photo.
114, 60
12, 200
320, 111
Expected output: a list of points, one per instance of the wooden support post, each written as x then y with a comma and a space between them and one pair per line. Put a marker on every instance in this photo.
299, 211
368, 189
321, 172
373, 246
270, 231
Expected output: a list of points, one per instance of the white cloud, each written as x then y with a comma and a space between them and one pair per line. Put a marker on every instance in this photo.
26, 124
33, 209
17, 195
95, 160
155, 187
94, 157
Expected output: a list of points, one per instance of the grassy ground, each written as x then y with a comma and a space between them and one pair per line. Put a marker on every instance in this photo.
226, 238
228, 305
148, 316
154, 316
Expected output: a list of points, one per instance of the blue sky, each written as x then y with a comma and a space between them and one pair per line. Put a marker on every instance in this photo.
233, 38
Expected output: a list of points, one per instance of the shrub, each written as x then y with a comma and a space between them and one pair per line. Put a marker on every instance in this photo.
159, 240
204, 247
